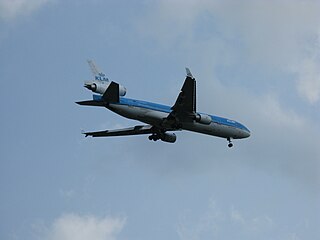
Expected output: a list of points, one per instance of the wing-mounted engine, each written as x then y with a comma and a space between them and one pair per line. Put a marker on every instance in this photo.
203, 118
168, 137
100, 82
163, 136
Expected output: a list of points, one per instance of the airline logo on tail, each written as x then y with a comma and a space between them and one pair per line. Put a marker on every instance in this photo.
98, 75
100, 83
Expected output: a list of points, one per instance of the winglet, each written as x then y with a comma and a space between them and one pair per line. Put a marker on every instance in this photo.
189, 74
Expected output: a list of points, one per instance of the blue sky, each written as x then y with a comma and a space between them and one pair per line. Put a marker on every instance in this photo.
254, 61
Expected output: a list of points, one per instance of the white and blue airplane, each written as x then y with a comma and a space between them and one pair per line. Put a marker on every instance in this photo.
160, 120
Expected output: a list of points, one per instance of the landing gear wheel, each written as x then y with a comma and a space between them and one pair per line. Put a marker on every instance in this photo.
153, 137
230, 145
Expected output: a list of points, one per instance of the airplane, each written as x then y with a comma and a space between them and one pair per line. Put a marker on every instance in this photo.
160, 120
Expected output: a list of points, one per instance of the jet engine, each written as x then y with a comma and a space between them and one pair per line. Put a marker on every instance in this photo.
101, 87
168, 137
203, 118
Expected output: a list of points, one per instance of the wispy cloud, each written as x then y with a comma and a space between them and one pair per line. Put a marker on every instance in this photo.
12, 9
279, 35
229, 223
78, 227
256, 224
67, 194
308, 82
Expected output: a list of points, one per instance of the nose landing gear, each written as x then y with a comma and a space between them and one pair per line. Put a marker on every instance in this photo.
230, 145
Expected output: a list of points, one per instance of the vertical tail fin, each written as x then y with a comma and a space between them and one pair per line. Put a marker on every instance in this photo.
111, 95
98, 75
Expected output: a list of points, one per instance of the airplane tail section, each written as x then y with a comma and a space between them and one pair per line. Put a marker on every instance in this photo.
98, 75
100, 82
111, 95
91, 103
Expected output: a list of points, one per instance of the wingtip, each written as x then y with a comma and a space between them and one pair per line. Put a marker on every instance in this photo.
84, 133
189, 74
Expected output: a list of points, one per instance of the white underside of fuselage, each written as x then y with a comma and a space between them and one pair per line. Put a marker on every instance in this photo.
156, 118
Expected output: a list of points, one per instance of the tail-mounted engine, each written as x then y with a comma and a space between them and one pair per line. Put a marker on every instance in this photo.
99, 86
100, 82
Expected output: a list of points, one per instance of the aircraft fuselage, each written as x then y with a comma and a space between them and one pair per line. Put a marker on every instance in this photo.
154, 114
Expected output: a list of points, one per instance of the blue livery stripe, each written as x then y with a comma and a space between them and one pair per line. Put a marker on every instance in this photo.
144, 104
167, 109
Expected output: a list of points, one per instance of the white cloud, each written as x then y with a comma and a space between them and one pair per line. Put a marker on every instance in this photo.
278, 35
73, 226
251, 225
283, 118
168, 20
236, 216
209, 224
273, 32
67, 194
219, 223
308, 82
11, 9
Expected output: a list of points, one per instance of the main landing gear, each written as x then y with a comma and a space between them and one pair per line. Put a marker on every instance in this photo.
230, 145
154, 137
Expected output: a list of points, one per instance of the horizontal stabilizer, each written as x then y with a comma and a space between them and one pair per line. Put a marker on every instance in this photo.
91, 103
137, 130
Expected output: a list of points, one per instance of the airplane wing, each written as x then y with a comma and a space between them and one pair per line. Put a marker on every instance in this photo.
184, 109
137, 130
186, 101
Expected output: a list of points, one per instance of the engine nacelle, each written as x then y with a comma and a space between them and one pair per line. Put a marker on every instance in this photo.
169, 137
101, 87
203, 118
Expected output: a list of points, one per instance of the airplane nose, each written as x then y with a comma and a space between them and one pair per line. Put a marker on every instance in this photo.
246, 134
